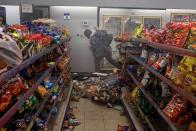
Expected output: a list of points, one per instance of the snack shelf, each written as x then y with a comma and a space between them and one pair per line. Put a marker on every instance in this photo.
131, 113
178, 89
10, 73
60, 96
43, 104
53, 105
9, 114
63, 108
168, 48
145, 117
169, 122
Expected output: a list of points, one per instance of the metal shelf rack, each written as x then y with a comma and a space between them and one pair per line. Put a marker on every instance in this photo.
7, 75
10, 73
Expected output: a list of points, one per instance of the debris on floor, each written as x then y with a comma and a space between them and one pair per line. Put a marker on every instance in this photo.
101, 88
70, 121
96, 93
122, 128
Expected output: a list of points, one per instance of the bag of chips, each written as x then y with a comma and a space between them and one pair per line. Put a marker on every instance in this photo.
152, 58
189, 82
180, 74
175, 108
191, 43
138, 30
169, 67
161, 62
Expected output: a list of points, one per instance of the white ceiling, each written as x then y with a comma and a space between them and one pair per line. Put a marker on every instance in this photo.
175, 4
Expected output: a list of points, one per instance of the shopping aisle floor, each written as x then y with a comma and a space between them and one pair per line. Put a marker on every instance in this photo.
94, 117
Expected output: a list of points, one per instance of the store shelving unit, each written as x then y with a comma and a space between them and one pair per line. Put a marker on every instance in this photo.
184, 93
7, 75
145, 117
173, 127
172, 50
57, 124
165, 47
62, 94
43, 103
12, 72
131, 113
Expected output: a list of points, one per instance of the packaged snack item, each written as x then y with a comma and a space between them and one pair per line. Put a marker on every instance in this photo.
165, 90
191, 43
47, 84
138, 30
152, 58
144, 55
10, 52
177, 34
184, 119
28, 104
161, 62
42, 91
189, 82
5, 100
169, 67
122, 128
190, 62
56, 90
125, 37
180, 74
145, 79
134, 92
192, 126
175, 107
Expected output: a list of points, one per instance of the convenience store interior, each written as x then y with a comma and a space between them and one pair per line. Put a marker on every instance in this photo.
97, 65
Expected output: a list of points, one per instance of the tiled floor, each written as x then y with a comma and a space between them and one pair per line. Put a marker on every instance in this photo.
94, 117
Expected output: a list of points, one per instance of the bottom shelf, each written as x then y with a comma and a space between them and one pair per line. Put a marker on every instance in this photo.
57, 123
131, 113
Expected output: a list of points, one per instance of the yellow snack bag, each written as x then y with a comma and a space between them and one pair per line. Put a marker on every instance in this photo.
138, 30
189, 83
180, 74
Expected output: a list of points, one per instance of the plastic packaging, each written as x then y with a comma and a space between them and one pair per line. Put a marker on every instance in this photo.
10, 53
175, 108
161, 62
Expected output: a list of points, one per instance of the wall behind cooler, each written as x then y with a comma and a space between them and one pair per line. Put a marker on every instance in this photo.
12, 14
82, 58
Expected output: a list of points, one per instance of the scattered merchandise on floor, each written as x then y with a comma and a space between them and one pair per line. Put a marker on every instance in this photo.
99, 88
70, 121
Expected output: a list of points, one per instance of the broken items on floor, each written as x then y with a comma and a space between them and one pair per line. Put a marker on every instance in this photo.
101, 88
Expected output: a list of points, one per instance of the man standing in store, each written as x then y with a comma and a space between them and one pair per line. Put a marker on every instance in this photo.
100, 42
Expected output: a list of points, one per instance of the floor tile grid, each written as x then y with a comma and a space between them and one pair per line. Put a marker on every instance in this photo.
95, 114
109, 116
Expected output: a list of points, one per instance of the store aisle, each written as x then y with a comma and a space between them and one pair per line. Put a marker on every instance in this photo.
94, 117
